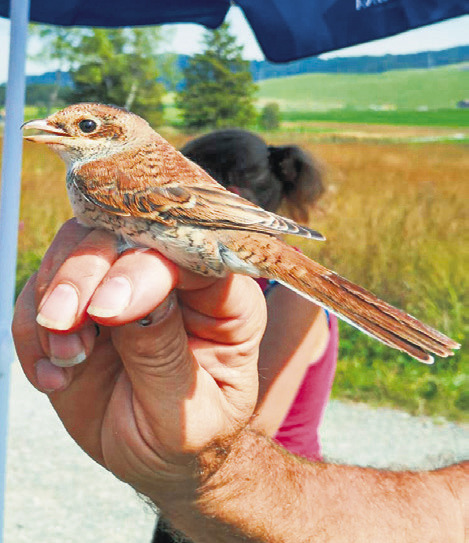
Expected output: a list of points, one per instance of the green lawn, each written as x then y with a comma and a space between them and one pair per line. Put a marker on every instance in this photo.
439, 88
438, 117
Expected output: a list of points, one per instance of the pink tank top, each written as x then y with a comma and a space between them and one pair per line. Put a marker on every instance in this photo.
299, 431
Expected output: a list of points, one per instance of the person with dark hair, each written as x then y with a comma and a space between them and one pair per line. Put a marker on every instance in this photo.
299, 349
265, 174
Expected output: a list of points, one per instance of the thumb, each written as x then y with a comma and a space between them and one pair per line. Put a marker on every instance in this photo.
156, 356
192, 364
155, 348
170, 390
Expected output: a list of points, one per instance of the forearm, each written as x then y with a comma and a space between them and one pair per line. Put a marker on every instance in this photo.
257, 492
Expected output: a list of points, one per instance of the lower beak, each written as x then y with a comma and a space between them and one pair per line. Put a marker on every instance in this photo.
54, 134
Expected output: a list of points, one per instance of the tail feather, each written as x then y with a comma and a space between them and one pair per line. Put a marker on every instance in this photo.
413, 328
359, 307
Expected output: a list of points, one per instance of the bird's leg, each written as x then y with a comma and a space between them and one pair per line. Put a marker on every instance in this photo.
123, 244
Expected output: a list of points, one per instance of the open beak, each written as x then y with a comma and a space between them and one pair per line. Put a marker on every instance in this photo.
53, 134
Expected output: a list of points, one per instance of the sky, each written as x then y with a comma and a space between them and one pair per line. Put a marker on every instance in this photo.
187, 39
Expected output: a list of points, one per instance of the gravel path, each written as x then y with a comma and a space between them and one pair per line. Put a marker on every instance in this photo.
56, 494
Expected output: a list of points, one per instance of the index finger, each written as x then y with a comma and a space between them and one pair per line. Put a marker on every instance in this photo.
67, 238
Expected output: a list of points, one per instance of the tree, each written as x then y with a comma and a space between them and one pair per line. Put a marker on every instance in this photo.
270, 116
59, 46
118, 66
219, 87
39, 95
115, 66
169, 71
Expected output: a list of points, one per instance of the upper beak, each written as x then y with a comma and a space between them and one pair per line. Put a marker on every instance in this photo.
54, 134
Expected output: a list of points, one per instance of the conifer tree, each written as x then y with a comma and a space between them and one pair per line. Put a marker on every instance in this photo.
219, 87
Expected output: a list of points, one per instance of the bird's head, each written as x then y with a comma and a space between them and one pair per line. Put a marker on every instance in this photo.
90, 131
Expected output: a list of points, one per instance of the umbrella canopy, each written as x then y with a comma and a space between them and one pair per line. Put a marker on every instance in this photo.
286, 29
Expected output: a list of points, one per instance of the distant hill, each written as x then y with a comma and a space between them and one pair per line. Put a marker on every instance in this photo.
49, 78
438, 88
366, 64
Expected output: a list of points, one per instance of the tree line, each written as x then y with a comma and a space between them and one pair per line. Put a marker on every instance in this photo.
121, 66
263, 69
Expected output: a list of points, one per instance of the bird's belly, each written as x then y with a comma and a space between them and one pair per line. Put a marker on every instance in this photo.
192, 248
196, 249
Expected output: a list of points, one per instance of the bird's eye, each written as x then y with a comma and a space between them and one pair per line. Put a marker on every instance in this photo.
87, 126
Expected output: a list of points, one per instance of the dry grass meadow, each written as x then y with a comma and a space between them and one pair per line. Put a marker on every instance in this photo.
395, 218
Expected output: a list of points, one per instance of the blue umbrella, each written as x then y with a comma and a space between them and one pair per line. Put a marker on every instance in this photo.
286, 30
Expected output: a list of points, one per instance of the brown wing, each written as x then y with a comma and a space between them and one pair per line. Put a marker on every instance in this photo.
206, 205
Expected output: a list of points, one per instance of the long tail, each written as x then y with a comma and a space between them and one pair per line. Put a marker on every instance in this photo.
354, 304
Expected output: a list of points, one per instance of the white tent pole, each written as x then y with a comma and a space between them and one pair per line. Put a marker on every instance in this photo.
9, 215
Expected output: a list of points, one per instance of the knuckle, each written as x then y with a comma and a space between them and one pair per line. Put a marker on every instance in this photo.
83, 266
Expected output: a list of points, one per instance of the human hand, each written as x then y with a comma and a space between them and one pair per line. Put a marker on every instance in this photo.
149, 398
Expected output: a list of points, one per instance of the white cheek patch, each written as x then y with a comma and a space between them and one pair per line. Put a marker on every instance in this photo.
65, 155
236, 264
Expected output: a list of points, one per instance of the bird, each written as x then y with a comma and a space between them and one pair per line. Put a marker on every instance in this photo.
124, 177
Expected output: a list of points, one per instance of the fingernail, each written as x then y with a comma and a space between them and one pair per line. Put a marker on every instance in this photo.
66, 350
59, 310
49, 377
111, 298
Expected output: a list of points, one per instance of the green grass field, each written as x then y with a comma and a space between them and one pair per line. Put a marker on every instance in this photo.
439, 88
441, 117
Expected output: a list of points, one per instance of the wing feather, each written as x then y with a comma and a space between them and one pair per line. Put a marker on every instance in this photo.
171, 203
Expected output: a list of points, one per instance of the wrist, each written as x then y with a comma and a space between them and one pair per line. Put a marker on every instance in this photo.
184, 504
179, 498
230, 502
456, 479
